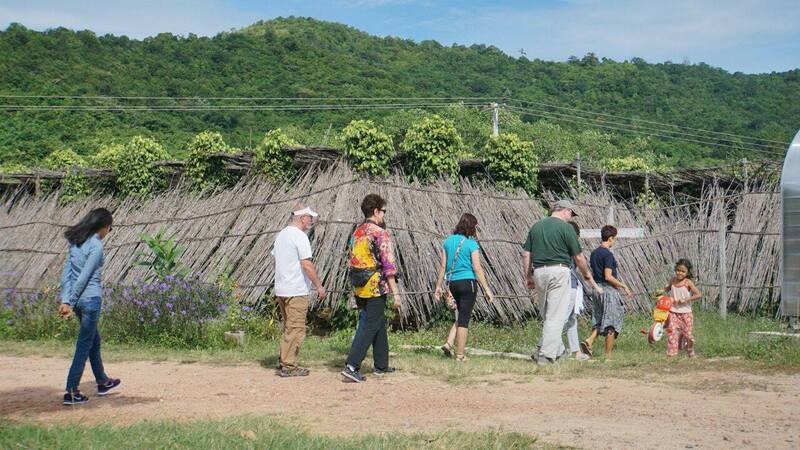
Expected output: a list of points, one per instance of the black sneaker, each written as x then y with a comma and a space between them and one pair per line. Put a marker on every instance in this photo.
287, 372
75, 398
353, 375
385, 371
109, 385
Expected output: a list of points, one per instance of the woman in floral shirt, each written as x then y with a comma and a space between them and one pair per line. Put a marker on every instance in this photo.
373, 272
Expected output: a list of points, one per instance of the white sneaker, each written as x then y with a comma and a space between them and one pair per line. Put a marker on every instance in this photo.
582, 356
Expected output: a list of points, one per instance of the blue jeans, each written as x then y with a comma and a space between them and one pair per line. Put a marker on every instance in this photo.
88, 345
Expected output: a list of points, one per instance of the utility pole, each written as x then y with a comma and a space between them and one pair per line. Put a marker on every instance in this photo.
744, 170
495, 119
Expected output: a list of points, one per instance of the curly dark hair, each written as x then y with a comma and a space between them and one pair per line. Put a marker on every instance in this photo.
607, 232
370, 203
466, 225
688, 264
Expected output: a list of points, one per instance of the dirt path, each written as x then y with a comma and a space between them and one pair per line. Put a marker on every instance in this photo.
715, 410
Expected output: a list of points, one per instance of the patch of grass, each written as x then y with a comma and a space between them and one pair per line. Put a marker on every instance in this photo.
721, 344
243, 433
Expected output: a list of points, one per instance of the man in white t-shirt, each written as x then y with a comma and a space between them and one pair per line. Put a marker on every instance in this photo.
294, 276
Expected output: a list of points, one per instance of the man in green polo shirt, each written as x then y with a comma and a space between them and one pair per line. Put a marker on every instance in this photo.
552, 246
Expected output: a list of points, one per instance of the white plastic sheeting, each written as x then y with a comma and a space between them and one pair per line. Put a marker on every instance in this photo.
790, 210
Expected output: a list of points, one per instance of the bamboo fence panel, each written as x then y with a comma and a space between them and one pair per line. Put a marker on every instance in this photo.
233, 230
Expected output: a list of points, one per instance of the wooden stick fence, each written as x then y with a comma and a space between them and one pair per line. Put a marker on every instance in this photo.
234, 229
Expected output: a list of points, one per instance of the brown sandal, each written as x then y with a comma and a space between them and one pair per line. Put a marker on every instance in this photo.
586, 348
447, 350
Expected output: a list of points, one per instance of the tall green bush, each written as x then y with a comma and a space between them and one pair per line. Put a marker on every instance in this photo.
512, 162
432, 147
135, 170
270, 160
75, 185
203, 169
367, 147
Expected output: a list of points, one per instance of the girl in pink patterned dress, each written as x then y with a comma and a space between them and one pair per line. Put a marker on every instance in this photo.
680, 322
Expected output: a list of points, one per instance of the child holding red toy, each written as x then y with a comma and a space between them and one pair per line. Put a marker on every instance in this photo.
680, 322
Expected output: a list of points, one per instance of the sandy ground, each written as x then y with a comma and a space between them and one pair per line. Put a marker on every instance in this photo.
709, 410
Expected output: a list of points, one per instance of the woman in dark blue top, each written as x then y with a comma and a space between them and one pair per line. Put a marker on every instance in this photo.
608, 307
80, 293
461, 266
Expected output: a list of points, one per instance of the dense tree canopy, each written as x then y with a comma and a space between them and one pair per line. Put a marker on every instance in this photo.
296, 57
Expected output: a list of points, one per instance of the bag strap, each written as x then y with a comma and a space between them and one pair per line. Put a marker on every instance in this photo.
455, 258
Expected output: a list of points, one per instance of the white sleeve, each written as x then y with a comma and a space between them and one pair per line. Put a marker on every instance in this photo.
303, 246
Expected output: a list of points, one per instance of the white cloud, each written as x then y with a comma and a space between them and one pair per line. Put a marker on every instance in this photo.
134, 19
621, 29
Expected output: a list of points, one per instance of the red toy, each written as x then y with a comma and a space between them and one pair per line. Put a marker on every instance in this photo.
660, 316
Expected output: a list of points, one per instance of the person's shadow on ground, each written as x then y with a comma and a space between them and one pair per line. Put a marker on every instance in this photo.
42, 399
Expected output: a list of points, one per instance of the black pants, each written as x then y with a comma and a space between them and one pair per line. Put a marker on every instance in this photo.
464, 293
372, 333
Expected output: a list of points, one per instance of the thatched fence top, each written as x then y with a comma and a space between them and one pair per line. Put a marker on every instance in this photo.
551, 177
235, 229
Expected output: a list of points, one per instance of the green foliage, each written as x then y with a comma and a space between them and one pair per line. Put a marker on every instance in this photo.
297, 57
432, 147
511, 162
203, 169
32, 316
269, 158
162, 261
367, 147
647, 199
13, 168
627, 164
135, 171
74, 185
108, 156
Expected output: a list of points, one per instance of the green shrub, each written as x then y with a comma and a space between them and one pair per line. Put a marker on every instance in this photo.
368, 148
163, 258
173, 312
74, 185
13, 168
135, 170
107, 158
627, 164
203, 169
432, 147
269, 158
512, 162
32, 316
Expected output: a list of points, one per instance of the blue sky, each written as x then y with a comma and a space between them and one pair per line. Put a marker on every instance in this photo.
738, 35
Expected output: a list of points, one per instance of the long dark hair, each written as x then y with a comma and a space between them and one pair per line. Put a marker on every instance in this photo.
89, 225
688, 264
466, 225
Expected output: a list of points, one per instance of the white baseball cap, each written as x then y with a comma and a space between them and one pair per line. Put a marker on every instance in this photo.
305, 212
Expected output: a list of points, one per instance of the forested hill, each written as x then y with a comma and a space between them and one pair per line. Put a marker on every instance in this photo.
297, 57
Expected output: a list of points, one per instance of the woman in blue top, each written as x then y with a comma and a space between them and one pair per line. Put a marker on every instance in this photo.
461, 265
80, 293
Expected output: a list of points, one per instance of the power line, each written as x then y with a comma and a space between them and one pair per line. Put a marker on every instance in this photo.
662, 130
104, 97
624, 127
146, 108
645, 121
